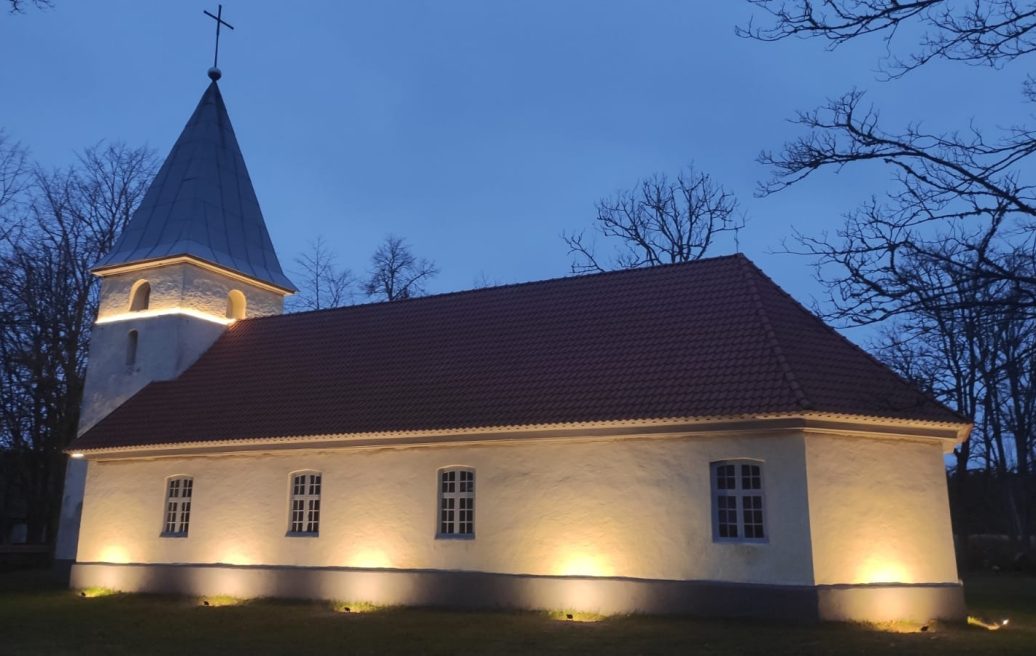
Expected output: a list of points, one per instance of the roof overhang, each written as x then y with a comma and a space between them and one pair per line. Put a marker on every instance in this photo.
948, 434
167, 260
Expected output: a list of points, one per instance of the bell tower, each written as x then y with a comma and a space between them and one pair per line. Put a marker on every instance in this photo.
195, 257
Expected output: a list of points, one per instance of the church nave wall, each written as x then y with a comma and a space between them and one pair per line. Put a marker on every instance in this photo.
629, 508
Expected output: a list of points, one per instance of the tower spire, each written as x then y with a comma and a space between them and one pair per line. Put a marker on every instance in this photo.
201, 205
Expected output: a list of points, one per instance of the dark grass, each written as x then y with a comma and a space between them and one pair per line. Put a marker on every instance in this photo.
39, 617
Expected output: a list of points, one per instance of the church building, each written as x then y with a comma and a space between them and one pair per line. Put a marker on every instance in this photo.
677, 439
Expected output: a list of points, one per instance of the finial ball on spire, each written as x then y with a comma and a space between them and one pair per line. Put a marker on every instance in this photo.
215, 73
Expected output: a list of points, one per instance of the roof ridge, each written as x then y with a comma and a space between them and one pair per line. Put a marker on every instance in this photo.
771, 336
508, 285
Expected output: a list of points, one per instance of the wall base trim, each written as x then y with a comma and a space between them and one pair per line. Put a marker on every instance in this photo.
881, 602
469, 590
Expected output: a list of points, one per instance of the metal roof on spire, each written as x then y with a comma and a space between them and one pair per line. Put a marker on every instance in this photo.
202, 204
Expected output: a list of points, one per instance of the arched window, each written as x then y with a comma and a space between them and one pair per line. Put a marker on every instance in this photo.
235, 305
131, 348
179, 490
305, 504
456, 502
140, 296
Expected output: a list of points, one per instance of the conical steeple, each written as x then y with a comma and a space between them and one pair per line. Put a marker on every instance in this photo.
202, 205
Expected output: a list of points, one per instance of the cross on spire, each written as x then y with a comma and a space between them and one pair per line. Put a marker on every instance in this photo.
214, 72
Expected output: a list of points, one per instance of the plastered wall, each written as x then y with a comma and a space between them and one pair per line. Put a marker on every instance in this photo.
631, 508
186, 286
166, 345
879, 511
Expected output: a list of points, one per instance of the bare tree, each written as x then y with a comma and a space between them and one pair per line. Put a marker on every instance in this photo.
482, 281
14, 173
660, 221
989, 32
18, 6
48, 301
958, 197
957, 200
323, 284
396, 273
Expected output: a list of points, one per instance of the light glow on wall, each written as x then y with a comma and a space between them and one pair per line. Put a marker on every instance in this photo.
114, 553
878, 569
583, 563
228, 584
369, 559
234, 556
182, 311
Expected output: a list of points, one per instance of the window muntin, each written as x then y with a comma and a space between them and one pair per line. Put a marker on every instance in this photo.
305, 504
179, 491
140, 296
457, 503
737, 501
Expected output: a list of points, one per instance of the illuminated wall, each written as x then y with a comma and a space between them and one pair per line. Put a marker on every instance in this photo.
879, 511
185, 286
185, 315
629, 508
169, 339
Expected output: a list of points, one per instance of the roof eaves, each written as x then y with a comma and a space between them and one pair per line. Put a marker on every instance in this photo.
666, 423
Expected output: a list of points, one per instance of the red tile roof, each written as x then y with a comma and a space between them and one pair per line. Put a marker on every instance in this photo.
712, 338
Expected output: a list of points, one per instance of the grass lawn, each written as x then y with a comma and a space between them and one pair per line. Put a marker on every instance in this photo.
37, 617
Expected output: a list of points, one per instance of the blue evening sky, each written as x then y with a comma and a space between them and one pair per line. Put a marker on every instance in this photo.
477, 130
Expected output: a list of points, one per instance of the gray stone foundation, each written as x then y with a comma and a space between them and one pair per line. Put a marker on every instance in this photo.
468, 590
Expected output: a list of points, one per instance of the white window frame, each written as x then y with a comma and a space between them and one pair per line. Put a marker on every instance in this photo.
455, 510
304, 503
748, 490
176, 512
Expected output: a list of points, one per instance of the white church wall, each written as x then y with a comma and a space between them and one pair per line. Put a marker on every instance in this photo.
879, 511
71, 510
166, 345
621, 508
185, 286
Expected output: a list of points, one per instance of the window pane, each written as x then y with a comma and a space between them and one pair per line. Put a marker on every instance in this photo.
750, 478
726, 516
752, 515
170, 517
185, 516
725, 478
